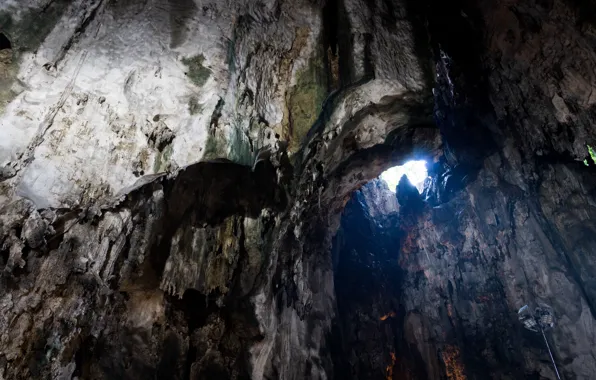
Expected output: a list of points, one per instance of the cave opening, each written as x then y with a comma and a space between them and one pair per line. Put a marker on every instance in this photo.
4, 42
416, 172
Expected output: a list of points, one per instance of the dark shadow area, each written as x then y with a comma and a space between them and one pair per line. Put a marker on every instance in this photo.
4, 42
369, 338
213, 191
205, 194
462, 106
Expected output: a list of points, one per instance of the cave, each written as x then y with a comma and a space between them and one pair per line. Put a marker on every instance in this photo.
332, 190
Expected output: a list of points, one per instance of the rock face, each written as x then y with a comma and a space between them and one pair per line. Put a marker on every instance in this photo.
151, 86
173, 176
433, 291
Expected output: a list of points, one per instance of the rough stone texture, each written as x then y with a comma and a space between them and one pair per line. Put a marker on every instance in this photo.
226, 268
114, 75
122, 292
439, 287
219, 270
509, 218
367, 278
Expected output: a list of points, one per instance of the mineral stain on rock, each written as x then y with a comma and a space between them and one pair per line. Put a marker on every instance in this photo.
194, 107
7, 70
162, 159
181, 14
305, 100
21, 34
197, 73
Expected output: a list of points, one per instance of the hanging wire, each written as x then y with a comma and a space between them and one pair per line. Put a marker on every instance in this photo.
551, 354
541, 320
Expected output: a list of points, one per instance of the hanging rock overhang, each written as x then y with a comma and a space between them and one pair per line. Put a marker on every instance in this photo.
360, 139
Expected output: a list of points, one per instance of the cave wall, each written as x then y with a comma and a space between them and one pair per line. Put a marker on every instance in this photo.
122, 257
140, 287
509, 214
152, 86
433, 292
525, 224
218, 269
484, 255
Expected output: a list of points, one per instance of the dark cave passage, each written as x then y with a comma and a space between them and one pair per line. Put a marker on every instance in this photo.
4, 42
384, 324
371, 339
368, 281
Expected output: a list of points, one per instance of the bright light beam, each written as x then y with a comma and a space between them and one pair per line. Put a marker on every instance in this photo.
414, 170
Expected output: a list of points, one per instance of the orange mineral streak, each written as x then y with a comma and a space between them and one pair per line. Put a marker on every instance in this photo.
453, 367
390, 367
387, 316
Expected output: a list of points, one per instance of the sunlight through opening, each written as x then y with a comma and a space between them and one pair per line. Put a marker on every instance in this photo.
414, 170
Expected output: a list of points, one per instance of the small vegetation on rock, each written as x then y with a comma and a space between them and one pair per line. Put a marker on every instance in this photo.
592, 153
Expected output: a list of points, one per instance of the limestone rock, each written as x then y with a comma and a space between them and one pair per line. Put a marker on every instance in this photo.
186, 190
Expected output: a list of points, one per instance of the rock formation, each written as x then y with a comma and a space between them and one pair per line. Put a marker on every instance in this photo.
187, 189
